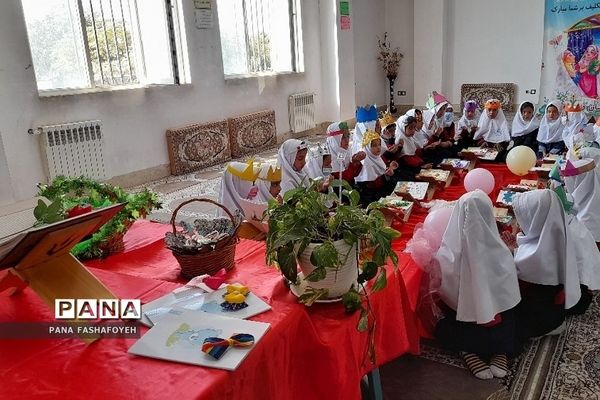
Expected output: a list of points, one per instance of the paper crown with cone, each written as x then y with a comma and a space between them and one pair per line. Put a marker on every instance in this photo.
434, 99
573, 106
366, 114
341, 128
387, 119
577, 167
273, 174
369, 136
247, 172
493, 104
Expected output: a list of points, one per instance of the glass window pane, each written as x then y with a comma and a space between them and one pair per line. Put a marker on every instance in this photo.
57, 49
233, 37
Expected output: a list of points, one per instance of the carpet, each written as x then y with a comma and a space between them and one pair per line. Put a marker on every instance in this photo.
560, 367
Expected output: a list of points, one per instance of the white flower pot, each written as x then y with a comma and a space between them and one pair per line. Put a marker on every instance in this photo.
337, 281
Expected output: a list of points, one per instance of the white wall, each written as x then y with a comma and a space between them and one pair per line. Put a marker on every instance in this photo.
135, 121
371, 84
399, 23
494, 41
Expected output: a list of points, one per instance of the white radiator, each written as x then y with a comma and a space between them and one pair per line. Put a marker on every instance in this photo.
74, 149
302, 112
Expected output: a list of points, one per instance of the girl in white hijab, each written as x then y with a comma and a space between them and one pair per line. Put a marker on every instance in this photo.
493, 129
525, 126
467, 125
576, 125
479, 286
237, 183
374, 180
582, 182
292, 159
319, 165
338, 141
550, 133
546, 263
439, 141
268, 183
411, 150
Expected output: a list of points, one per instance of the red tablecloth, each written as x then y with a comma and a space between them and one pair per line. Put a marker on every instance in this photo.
307, 354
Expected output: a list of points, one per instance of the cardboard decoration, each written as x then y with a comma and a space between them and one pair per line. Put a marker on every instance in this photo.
41, 258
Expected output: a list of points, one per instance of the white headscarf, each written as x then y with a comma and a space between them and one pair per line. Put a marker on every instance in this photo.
492, 130
596, 133
334, 144
448, 117
546, 253
585, 190
314, 166
586, 253
359, 131
465, 123
290, 178
590, 152
520, 127
234, 188
550, 131
372, 166
263, 185
410, 144
479, 278
423, 136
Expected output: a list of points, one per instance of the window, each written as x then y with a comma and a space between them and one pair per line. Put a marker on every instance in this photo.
260, 36
91, 45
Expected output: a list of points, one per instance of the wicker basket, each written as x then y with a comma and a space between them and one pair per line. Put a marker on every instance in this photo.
207, 260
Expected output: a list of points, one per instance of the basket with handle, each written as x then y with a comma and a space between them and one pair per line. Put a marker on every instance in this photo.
208, 259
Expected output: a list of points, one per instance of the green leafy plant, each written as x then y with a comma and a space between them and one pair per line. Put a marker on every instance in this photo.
308, 216
71, 195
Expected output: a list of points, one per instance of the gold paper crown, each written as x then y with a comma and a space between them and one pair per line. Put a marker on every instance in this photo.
386, 120
493, 104
273, 174
369, 136
573, 107
250, 173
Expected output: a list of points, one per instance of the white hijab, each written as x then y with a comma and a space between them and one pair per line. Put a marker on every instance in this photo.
359, 131
337, 152
314, 166
492, 130
465, 123
586, 253
551, 131
520, 127
590, 152
576, 123
290, 178
234, 188
546, 253
410, 144
479, 278
263, 185
596, 133
423, 136
372, 166
585, 190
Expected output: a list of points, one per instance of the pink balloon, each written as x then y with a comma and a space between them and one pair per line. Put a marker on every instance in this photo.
479, 178
435, 225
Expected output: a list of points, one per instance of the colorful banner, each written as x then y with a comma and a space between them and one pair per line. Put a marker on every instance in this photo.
572, 53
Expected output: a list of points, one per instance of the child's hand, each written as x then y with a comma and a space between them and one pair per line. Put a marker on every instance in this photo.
393, 148
427, 166
358, 157
393, 165
389, 172
279, 199
510, 240
445, 145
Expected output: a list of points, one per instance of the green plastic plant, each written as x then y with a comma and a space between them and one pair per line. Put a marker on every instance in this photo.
69, 193
308, 216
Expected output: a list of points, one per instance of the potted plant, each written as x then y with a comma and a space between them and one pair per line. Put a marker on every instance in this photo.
73, 196
332, 242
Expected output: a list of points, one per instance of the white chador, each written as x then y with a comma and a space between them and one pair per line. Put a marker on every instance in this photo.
546, 254
479, 278
290, 178
584, 188
492, 130
238, 179
520, 127
551, 131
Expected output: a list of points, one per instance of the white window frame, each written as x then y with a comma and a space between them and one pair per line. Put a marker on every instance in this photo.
178, 48
297, 51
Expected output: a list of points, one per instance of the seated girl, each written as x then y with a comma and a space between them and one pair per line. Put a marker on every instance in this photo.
479, 288
576, 127
467, 125
237, 183
405, 127
493, 129
268, 183
366, 119
411, 152
319, 165
448, 122
439, 144
546, 264
422, 134
550, 133
292, 159
338, 141
525, 127
375, 179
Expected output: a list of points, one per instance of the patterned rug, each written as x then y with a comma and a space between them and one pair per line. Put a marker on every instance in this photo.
561, 367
